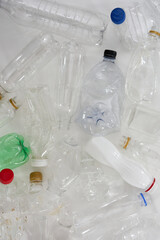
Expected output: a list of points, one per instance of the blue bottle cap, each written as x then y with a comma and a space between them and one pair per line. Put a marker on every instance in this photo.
118, 15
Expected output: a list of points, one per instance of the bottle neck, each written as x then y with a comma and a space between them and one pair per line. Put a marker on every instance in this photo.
14, 104
105, 59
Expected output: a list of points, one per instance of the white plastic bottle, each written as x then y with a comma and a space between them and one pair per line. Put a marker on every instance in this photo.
102, 97
31, 59
133, 173
69, 21
134, 22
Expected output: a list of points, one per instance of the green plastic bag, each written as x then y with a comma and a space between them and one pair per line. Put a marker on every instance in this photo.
13, 153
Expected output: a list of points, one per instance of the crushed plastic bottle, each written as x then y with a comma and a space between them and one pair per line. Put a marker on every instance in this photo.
32, 58
13, 151
133, 23
102, 97
69, 21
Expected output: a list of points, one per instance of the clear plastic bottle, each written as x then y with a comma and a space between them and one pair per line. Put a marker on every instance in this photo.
143, 73
68, 86
133, 23
102, 97
69, 21
143, 93
31, 59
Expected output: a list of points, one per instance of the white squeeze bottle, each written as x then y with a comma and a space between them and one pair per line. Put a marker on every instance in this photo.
102, 96
133, 173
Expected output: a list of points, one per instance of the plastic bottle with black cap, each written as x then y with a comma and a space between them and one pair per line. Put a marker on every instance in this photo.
102, 96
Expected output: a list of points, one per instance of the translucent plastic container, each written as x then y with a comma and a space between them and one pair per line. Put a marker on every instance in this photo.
132, 172
142, 123
68, 85
32, 58
102, 97
134, 22
68, 21
105, 152
143, 75
143, 92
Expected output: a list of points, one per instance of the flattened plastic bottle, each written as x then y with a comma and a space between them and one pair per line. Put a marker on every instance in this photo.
13, 152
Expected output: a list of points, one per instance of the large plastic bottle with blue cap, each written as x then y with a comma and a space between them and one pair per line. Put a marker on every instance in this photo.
102, 96
134, 22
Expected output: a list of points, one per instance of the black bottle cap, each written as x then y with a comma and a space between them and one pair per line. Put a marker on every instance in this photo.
110, 54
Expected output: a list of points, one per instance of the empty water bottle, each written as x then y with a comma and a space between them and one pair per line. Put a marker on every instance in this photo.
133, 23
33, 57
69, 21
68, 87
102, 96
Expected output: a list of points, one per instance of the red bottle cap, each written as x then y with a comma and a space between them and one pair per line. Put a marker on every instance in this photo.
6, 176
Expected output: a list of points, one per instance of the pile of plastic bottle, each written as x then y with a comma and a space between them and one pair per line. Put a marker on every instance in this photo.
83, 159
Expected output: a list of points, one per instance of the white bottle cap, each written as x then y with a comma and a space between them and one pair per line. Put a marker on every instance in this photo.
39, 162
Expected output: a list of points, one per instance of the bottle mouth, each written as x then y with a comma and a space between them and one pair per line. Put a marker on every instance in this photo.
13, 103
